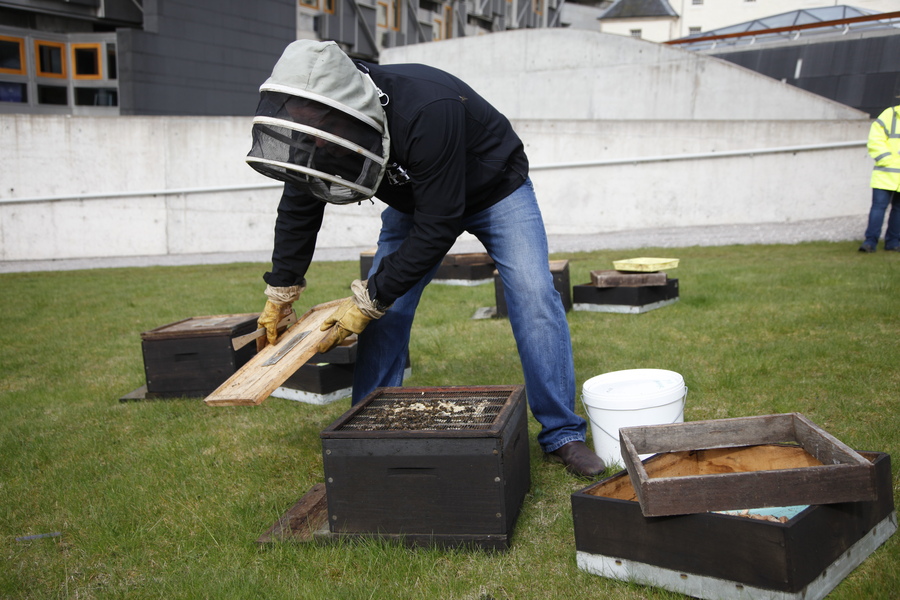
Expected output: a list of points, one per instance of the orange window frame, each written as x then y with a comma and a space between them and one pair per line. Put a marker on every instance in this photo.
385, 9
329, 6
22, 66
314, 4
448, 22
438, 31
397, 7
37, 59
98, 55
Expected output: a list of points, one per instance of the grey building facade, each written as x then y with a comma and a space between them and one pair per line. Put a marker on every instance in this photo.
207, 57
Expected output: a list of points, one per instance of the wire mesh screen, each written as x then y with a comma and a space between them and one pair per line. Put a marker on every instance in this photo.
440, 410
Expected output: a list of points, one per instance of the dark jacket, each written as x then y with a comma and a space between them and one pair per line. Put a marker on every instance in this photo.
460, 155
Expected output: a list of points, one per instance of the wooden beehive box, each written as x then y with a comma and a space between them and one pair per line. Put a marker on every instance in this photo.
624, 299
718, 465
467, 268
447, 466
192, 357
724, 556
560, 271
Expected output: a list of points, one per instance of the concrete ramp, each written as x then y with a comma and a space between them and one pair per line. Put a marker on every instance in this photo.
579, 74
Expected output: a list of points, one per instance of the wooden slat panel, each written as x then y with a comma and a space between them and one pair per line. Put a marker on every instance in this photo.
255, 381
619, 279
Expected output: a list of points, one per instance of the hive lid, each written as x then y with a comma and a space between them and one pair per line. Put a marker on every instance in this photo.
202, 327
645, 264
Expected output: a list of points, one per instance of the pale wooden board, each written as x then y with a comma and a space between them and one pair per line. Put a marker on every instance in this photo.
645, 264
255, 381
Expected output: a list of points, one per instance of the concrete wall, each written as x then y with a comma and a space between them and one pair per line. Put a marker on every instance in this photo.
76, 187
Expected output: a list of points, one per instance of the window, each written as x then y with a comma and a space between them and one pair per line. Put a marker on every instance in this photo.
537, 6
12, 55
695, 2
635, 33
694, 30
52, 94
310, 4
13, 92
96, 97
51, 59
112, 67
381, 15
86, 61
396, 7
437, 30
329, 6
448, 21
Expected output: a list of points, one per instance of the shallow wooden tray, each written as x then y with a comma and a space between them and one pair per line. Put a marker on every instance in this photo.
812, 468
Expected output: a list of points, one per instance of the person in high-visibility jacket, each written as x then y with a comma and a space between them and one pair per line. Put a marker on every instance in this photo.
884, 147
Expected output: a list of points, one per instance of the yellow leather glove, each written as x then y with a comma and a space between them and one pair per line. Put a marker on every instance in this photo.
278, 306
351, 316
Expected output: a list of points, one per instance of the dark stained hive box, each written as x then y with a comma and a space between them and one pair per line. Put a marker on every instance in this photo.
624, 299
469, 268
722, 556
560, 271
194, 356
447, 466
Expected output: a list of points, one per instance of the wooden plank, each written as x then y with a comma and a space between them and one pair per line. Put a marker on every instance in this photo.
302, 520
619, 279
256, 380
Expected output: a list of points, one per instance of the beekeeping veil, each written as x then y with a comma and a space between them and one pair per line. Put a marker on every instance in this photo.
320, 125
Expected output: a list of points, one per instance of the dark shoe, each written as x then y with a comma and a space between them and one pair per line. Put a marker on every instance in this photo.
894, 249
867, 248
579, 459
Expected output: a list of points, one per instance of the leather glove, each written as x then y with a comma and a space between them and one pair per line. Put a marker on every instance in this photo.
278, 306
351, 316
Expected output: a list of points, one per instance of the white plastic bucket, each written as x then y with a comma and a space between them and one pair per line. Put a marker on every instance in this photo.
630, 398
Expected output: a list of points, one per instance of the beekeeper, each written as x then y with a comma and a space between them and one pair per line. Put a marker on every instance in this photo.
338, 131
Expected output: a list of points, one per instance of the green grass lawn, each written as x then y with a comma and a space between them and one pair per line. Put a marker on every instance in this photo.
165, 499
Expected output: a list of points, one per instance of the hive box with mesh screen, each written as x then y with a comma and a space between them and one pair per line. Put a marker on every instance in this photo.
446, 466
790, 552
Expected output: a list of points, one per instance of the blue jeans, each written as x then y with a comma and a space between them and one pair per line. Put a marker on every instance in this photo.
512, 232
880, 201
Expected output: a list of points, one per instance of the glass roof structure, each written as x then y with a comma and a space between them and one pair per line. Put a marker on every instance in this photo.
789, 26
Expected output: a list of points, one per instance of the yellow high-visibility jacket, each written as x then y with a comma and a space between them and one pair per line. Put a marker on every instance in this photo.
884, 147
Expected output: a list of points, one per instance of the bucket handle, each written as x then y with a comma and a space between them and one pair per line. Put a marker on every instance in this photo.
616, 435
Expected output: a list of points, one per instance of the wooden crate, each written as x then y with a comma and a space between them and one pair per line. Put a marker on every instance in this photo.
622, 299
450, 484
469, 268
560, 271
716, 465
472, 268
722, 556
192, 357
